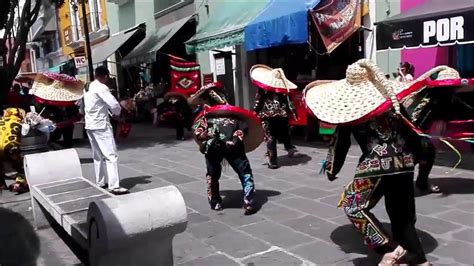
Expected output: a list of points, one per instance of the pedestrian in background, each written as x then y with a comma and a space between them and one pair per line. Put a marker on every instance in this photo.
98, 103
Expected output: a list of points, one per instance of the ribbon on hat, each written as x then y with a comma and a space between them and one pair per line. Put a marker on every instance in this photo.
278, 73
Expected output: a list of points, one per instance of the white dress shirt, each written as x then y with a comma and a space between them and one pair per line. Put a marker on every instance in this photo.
98, 101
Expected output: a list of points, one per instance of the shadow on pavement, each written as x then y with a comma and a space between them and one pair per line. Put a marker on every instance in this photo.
350, 241
232, 199
19, 243
451, 185
131, 182
297, 159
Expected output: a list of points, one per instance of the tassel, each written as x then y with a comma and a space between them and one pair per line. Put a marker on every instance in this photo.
455, 150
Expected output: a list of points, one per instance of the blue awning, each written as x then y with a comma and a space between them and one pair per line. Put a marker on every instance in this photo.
282, 22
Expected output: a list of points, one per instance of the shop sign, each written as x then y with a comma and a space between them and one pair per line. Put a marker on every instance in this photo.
220, 66
426, 32
444, 29
80, 61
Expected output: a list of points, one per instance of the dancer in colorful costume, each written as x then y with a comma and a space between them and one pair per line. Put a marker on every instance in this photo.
10, 137
426, 110
273, 106
226, 132
365, 105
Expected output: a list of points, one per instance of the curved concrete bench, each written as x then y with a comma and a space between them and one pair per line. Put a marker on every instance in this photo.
133, 229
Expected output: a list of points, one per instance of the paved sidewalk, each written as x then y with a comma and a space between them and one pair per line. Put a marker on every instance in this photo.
298, 222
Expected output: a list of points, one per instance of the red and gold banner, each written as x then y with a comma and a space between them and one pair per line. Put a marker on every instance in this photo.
337, 20
185, 77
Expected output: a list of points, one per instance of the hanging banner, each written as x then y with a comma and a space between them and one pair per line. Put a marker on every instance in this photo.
336, 21
185, 77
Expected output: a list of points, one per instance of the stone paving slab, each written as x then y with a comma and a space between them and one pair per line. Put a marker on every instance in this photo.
298, 222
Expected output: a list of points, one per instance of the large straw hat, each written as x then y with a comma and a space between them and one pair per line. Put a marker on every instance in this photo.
57, 89
196, 97
447, 76
255, 133
364, 93
271, 79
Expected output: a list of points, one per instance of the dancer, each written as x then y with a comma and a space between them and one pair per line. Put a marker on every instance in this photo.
273, 106
386, 165
427, 108
176, 110
226, 132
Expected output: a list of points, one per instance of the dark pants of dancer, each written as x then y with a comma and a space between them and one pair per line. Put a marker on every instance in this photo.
238, 161
276, 128
67, 134
362, 194
426, 159
179, 126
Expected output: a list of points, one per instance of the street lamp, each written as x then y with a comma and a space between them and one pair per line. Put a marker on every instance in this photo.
88, 42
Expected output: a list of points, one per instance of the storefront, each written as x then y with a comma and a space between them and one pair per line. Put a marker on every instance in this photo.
430, 34
301, 38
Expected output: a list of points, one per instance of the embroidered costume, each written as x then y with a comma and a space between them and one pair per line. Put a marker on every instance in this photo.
365, 105
226, 132
274, 107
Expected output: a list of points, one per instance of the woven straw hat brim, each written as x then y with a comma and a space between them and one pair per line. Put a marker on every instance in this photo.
196, 97
342, 103
255, 134
57, 91
26, 76
447, 77
263, 77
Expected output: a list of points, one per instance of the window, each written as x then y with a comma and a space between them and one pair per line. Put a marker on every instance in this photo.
75, 21
95, 14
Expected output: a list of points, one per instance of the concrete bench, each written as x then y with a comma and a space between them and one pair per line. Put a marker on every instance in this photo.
132, 229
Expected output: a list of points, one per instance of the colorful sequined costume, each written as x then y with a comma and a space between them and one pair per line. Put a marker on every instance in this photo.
384, 169
10, 137
222, 138
274, 109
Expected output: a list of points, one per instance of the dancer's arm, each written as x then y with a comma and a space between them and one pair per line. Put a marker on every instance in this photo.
338, 150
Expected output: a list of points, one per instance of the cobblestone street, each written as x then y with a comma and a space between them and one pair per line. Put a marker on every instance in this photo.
298, 222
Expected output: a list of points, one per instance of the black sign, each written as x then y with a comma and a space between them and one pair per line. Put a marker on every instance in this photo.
426, 32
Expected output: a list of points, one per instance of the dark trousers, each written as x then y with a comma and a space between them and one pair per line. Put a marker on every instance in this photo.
67, 134
426, 159
238, 161
179, 126
362, 194
276, 128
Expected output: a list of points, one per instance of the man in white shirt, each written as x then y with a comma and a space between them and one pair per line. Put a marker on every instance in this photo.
98, 103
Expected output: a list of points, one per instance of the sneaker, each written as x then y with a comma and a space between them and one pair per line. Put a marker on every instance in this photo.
217, 207
119, 191
104, 186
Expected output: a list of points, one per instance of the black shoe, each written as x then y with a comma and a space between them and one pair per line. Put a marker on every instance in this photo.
273, 166
249, 209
